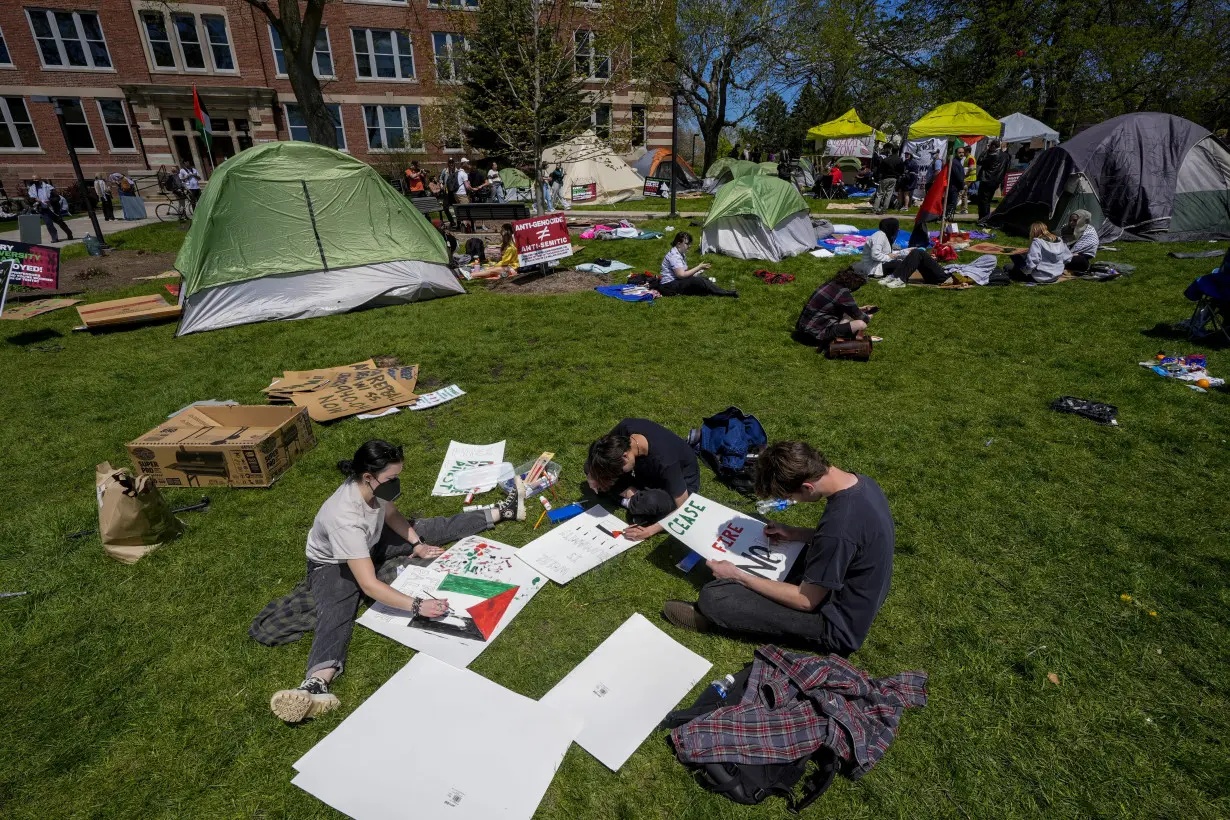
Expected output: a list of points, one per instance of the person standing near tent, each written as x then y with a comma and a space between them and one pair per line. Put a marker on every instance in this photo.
544, 182
46, 200
990, 176
908, 181
831, 312
450, 184
191, 178
680, 280
416, 180
557, 188
888, 171
956, 181
971, 176
497, 184
1084, 242
356, 530
1045, 260
103, 191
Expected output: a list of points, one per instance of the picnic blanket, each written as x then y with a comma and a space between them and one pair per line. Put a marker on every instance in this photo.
773, 278
989, 247
627, 293
594, 267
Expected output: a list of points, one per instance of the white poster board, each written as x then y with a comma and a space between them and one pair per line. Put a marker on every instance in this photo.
625, 687
472, 557
717, 532
437, 742
860, 147
576, 546
462, 457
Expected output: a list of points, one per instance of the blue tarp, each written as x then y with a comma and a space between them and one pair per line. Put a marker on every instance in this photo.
618, 292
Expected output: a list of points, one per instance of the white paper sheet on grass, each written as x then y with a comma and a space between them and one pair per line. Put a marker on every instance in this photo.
474, 557
625, 687
717, 532
462, 457
576, 546
436, 741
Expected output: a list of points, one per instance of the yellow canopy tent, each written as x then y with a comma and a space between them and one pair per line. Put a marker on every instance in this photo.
958, 119
847, 125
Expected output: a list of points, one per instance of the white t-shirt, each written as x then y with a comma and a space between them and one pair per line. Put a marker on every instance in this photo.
463, 182
493, 176
346, 526
191, 179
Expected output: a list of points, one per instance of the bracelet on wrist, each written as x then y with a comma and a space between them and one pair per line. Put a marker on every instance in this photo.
414, 608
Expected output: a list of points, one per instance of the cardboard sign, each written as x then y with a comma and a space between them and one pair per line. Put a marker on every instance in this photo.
657, 187
1010, 179
584, 193
34, 266
294, 381
541, 239
234, 446
359, 391
850, 147
716, 532
36, 308
127, 311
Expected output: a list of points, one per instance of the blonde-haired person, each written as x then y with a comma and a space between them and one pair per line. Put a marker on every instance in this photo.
1045, 260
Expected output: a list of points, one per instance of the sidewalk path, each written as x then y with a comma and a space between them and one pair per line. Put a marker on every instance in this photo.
80, 226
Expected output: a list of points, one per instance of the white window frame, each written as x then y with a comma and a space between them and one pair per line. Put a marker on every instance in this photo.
55, 33
177, 47
86, 118
644, 128
453, 5
590, 54
457, 78
341, 124
275, 46
9, 51
610, 116
402, 3
371, 56
419, 148
102, 117
7, 121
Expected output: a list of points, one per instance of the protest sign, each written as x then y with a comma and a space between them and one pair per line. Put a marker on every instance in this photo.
657, 187
462, 458
584, 193
577, 546
541, 239
359, 391
849, 147
36, 308
718, 533
34, 266
1010, 179
438, 397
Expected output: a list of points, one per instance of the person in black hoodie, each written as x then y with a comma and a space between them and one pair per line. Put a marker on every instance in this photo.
990, 175
889, 170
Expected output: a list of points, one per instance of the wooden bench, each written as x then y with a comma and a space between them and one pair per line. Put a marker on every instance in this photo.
428, 205
490, 211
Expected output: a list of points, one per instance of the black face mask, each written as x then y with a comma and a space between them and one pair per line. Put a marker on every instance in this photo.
389, 490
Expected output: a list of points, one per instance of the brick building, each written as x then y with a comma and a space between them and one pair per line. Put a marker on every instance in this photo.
124, 71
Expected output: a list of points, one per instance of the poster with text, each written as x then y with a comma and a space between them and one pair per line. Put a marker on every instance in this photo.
657, 187
541, 239
850, 147
1010, 179
584, 193
718, 533
462, 457
34, 266
577, 546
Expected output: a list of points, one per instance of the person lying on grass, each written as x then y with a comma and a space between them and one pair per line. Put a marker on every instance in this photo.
648, 468
831, 312
831, 595
357, 529
680, 280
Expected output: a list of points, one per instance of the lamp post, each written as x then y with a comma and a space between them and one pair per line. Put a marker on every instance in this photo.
72, 154
674, 147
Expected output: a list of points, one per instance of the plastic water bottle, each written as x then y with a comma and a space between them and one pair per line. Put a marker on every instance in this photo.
773, 505
722, 686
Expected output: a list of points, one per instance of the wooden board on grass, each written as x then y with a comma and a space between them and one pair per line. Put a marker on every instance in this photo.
135, 310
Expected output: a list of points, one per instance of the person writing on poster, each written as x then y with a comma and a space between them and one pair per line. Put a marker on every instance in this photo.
832, 593
649, 469
357, 530
831, 312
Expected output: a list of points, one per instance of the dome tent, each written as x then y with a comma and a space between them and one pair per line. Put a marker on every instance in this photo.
658, 164
726, 169
1020, 128
517, 185
1141, 176
587, 159
758, 217
292, 230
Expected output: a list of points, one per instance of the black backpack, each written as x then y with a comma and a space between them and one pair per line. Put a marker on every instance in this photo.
750, 783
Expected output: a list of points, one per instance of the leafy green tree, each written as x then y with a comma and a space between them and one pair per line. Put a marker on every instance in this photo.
772, 119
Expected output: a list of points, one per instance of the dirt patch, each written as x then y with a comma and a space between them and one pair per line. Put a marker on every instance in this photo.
564, 281
118, 269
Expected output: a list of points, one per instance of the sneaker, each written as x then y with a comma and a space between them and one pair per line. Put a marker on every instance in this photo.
892, 282
307, 700
512, 508
685, 615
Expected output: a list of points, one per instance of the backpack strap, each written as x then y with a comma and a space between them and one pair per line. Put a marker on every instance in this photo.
818, 782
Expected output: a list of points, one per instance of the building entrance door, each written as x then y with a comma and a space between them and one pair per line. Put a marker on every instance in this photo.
230, 136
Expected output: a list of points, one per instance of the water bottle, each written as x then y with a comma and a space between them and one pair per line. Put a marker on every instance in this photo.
773, 505
722, 686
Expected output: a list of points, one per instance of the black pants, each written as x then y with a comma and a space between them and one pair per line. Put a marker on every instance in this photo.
51, 219
648, 506
337, 593
448, 200
917, 260
107, 209
697, 285
1079, 263
986, 192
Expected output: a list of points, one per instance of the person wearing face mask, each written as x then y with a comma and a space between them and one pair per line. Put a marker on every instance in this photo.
356, 531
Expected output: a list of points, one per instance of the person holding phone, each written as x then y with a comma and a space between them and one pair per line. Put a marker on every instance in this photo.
680, 280
356, 530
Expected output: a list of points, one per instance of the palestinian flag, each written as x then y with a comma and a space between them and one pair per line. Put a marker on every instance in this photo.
203, 123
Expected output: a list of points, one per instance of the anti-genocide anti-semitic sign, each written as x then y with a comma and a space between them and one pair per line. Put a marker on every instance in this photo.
34, 266
541, 239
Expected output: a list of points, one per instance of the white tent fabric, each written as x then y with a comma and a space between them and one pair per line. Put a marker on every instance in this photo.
587, 159
1020, 128
746, 237
319, 293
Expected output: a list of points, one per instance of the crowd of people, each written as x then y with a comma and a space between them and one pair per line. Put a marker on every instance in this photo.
52, 206
462, 182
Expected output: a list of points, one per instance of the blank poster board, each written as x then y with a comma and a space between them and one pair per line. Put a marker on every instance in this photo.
577, 546
625, 687
718, 533
438, 742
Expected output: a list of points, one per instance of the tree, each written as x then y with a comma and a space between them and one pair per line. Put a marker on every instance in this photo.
808, 111
772, 120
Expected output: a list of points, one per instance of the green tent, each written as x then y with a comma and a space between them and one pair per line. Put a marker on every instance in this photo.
758, 217
514, 178
726, 169
292, 230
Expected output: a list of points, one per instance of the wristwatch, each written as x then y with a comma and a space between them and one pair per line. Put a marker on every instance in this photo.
414, 543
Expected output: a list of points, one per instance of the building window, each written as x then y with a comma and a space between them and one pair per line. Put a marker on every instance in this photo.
640, 125
322, 56
601, 120
450, 53
69, 39
589, 62
16, 127
5, 59
78, 128
192, 43
115, 123
298, 126
390, 127
468, 5
383, 54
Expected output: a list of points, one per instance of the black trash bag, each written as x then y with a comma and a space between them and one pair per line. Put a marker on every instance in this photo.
1092, 410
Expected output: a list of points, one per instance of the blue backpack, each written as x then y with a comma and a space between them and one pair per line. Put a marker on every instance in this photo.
729, 442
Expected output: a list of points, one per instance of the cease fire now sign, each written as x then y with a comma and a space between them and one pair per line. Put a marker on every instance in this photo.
718, 533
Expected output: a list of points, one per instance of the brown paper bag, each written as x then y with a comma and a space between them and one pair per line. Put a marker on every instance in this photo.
133, 517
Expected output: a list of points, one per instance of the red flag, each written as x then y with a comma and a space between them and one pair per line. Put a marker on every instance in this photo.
932, 207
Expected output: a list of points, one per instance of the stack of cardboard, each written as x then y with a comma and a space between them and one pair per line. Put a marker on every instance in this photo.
336, 392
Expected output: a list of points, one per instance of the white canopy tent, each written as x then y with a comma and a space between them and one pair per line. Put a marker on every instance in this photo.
1020, 128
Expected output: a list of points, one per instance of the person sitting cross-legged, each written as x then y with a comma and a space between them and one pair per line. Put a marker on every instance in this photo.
831, 312
831, 595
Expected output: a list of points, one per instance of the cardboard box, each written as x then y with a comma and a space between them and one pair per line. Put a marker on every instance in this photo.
136, 310
237, 446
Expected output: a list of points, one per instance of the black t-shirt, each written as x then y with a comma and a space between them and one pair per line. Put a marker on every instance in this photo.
851, 555
891, 167
670, 463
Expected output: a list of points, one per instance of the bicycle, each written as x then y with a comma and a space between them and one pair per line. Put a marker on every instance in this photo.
174, 209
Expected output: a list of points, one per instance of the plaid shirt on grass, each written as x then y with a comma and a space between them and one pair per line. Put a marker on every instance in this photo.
796, 703
828, 307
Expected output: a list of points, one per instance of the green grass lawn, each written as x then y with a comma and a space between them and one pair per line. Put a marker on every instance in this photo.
134, 691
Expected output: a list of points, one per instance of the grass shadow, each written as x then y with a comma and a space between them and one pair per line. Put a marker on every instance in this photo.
31, 337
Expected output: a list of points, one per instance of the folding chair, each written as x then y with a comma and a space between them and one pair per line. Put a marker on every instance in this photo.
1211, 293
